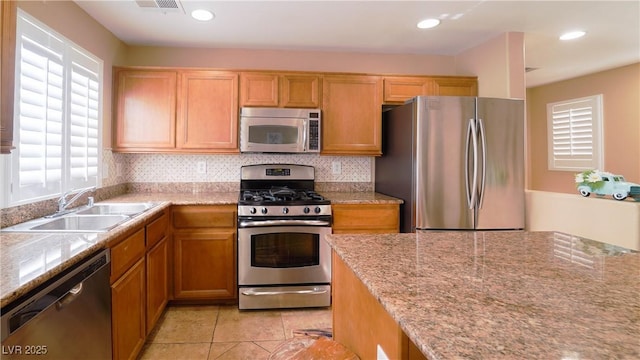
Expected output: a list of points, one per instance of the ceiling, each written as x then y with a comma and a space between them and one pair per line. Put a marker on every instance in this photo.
612, 40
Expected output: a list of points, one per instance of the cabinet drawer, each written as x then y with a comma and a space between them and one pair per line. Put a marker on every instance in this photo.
216, 216
157, 229
365, 218
126, 253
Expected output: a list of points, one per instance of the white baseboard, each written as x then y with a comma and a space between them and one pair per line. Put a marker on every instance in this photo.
597, 218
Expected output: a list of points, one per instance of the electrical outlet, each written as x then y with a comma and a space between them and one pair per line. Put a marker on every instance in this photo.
201, 167
336, 167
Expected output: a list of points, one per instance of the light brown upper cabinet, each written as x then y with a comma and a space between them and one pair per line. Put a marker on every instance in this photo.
145, 110
351, 115
208, 111
273, 89
455, 86
176, 111
8, 11
398, 89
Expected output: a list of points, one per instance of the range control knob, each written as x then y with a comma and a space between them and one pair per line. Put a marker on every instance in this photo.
285, 210
317, 210
253, 210
264, 210
306, 210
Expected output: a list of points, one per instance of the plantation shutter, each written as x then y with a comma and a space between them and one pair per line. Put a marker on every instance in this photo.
574, 134
58, 115
84, 122
40, 108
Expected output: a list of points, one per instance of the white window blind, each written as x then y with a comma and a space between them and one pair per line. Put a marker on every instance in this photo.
57, 120
574, 130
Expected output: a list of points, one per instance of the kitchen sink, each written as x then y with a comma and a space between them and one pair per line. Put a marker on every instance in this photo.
130, 209
97, 218
80, 223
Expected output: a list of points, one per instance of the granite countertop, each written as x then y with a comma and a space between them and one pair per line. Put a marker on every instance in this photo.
516, 295
27, 260
359, 198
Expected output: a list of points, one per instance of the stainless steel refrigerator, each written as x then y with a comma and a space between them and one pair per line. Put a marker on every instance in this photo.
457, 162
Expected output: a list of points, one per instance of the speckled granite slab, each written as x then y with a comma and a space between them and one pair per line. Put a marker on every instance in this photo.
503, 295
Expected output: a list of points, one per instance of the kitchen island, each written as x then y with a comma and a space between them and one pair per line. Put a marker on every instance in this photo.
488, 295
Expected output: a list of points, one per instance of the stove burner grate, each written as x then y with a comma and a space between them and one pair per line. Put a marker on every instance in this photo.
278, 194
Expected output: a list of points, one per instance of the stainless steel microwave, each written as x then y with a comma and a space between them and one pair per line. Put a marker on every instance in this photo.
278, 130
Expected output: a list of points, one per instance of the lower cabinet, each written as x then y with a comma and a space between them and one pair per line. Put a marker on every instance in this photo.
361, 323
139, 285
365, 218
127, 312
205, 252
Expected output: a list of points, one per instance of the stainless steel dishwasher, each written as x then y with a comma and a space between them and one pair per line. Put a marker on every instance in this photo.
68, 317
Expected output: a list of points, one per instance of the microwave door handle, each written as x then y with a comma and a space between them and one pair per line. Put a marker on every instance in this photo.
305, 131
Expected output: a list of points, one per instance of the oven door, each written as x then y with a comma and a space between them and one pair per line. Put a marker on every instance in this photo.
283, 254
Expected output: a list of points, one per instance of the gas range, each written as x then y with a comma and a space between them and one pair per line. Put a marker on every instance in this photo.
283, 259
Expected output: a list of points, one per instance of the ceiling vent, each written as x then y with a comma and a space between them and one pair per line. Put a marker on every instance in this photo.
161, 5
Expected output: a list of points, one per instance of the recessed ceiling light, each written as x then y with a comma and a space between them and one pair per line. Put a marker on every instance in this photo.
428, 23
572, 35
202, 15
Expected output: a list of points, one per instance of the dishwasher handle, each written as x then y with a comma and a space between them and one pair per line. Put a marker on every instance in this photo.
69, 297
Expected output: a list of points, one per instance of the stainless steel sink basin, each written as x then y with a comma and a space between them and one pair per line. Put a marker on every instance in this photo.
81, 223
97, 218
129, 209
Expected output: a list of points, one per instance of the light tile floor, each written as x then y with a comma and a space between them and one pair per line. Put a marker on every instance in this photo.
226, 333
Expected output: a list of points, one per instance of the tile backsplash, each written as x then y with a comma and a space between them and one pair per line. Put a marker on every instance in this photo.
181, 168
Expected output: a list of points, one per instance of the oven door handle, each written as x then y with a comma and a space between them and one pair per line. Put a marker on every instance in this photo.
266, 223
284, 292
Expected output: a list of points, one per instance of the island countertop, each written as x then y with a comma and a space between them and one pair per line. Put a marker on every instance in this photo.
516, 295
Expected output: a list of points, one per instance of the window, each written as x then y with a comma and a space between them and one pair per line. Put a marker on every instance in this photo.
574, 130
57, 124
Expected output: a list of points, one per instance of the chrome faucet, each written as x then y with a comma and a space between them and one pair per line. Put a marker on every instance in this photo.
63, 203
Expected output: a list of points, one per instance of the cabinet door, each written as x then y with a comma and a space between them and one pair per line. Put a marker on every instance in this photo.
157, 282
259, 89
455, 86
128, 315
205, 263
300, 91
208, 111
398, 89
352, 119
8, 11
146, 110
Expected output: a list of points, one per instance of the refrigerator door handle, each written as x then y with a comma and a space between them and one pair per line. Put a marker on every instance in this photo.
483, 141
472, 137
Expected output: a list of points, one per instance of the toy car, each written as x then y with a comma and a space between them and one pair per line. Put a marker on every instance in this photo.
603, 183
